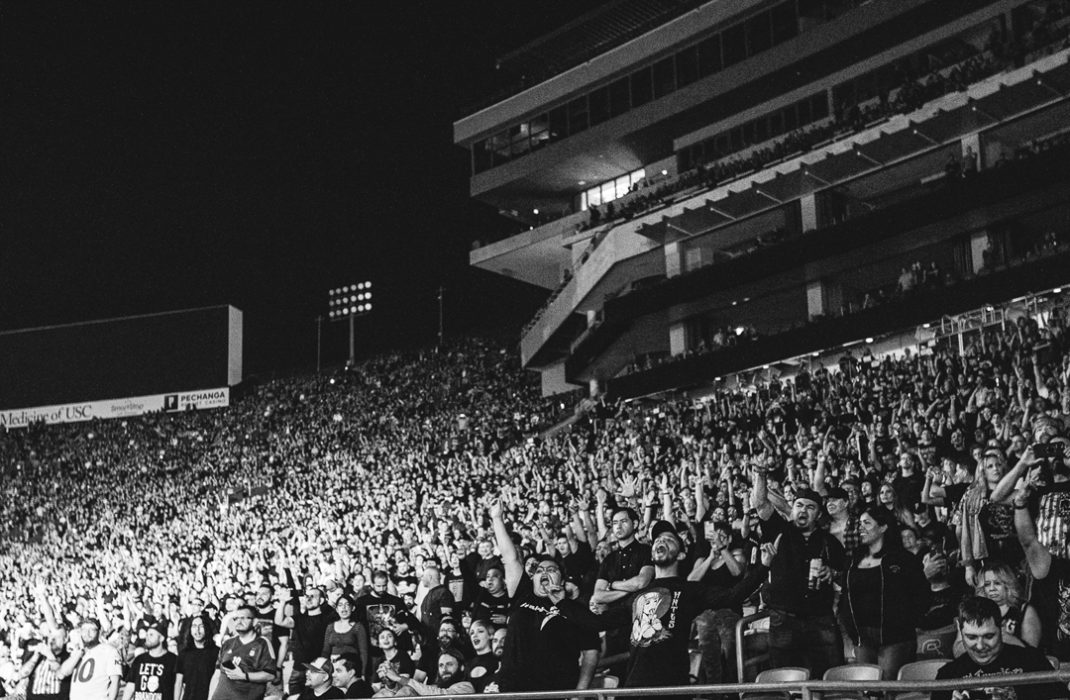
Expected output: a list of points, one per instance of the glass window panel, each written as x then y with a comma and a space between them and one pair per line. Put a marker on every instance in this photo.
734, 40
761, 130
594, 197
619, 97
558, 118
636, 176
664, 77
709, 55
791, 118
583, 201
819, 106
482, 156
776, 123
599, 105
577, 115
759, 34
687, 66
785, 24
642, 90
609, 192
804, 113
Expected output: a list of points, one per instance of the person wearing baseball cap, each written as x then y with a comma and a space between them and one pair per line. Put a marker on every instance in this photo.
803, 627
660, 614
152, 673
318, 681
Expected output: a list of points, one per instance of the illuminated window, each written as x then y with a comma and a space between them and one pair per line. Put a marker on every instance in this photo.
608, 191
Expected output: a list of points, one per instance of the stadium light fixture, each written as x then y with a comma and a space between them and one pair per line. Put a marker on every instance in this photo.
345, 302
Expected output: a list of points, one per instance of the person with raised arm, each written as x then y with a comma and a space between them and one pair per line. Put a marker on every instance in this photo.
543, 649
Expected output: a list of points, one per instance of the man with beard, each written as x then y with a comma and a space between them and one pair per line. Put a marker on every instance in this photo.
543, 650
45, 666
152, 675
318, 675
449, 681
347, 677
379, 610
245, 664
661, 614
492, 602
98, 670
987, 655
449, 637
307, 627
275, 635
803, 630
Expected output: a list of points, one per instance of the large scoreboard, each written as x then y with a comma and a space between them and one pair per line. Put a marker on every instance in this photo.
119, 367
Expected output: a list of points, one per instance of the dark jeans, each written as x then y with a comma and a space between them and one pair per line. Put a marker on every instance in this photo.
812, 642
716, 632
890, 657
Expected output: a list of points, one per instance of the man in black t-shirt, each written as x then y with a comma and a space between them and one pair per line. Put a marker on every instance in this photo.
307, 627
987, 655
347, 677
803, 630
379, 610
1051, 587
152, 674
543, 650
625, 571
659, 616
492, 602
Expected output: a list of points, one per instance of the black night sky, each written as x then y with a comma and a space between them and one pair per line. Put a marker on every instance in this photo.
157, 156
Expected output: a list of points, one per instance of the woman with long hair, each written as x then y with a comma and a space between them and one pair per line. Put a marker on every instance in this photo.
986, 527
196, 661
888, 498
885, 594
1021, 623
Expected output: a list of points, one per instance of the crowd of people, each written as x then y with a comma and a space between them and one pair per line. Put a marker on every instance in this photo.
402, 530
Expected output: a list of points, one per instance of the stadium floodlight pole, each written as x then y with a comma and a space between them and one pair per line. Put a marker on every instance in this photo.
441, 317
348, 302
319, 341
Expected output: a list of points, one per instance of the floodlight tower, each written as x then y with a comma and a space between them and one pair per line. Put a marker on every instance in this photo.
348, 302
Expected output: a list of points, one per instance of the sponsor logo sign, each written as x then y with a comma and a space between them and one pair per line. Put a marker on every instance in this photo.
116, 408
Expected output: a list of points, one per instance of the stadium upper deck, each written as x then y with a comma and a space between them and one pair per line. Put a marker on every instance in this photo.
739, 124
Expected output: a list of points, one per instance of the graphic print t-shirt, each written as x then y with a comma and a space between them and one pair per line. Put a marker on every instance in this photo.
153, 677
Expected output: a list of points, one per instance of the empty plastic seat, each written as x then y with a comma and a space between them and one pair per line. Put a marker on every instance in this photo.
786, 674
851, 672
924, 670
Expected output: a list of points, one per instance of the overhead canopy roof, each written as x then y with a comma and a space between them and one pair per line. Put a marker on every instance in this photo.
942, 127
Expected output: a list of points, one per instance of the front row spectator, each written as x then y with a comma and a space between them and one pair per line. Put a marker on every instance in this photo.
661, 613
347, 677
980, 624
885, 594
449, 681
543, 649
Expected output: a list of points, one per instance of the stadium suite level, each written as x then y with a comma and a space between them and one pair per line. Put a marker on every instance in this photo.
698, 140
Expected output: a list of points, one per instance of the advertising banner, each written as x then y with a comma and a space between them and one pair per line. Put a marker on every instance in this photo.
116, 408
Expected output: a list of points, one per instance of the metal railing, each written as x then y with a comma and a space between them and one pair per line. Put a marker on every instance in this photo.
807, 689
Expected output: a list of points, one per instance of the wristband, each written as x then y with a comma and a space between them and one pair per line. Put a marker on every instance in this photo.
1021, 507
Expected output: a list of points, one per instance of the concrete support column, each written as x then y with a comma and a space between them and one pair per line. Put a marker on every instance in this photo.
677, 339
978, 245
673, 259
973, 154
808, 212
824, 298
